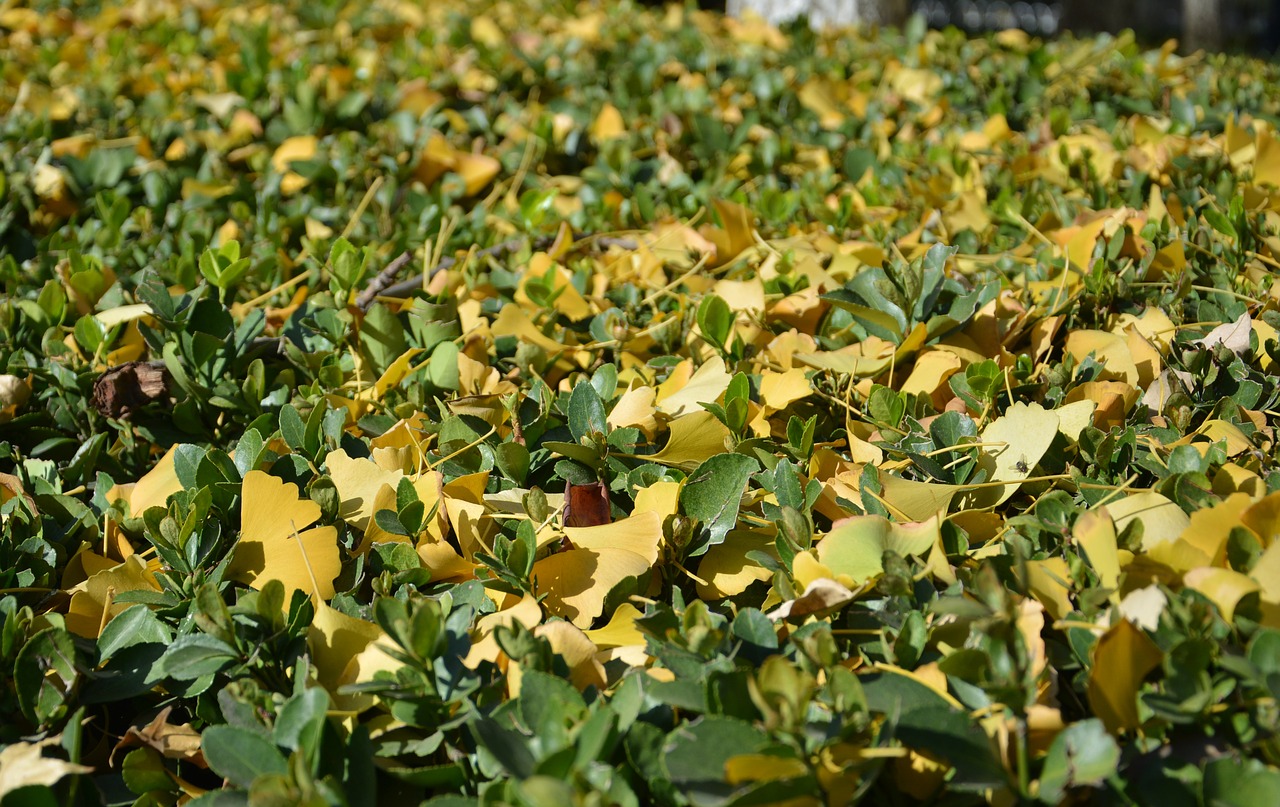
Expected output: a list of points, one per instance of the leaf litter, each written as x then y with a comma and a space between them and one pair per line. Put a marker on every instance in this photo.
775, 418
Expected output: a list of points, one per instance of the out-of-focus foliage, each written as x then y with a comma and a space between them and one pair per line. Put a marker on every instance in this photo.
885, 417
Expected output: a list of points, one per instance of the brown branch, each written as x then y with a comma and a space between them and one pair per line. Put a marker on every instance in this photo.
383, 279
406, 287
382, 284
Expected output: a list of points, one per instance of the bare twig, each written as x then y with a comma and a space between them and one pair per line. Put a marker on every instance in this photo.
382, 280
382, 284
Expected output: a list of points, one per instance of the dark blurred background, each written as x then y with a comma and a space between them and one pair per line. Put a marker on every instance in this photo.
1248, 25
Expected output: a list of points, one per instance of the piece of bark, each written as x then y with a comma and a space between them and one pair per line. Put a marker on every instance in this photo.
123, 389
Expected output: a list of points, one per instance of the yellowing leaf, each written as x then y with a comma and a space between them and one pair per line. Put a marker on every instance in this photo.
917, 500
1095, 533
439, 156
641, 533
514, 321
1162, 520
621, 630
1049, 581
693, 438
525, 612
1204, 541
272, 543
726, 569
1074, 417
358, 481
577, 581
1026, 431
608, 125
635, 408
1223, 587
1144, 606
745, 768
24, 764
1263, 517
443, 562
819, 596
155, 487
346, 650
1110, 350
662, 498
780, 390
855, 546
578, 651
1121, 659
295, 149
706, 385
93, 603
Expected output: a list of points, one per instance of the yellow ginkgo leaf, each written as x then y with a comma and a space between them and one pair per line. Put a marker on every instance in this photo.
1095, 533
93, 603
524, 611
154, 488
576, 648
706, 385
358, 481
635, 408
1121, 659
273, 545
725, 568
1263, 517
621, 630
1225, 588
24, 765
1108, 349
780, 390
346, 650
855, 546
1049, 581
745, 768
299, 148
1014, 443
608, 125
916, 500
577, 581
1204, 541
513, 320
1162, 520
693, 438
640, 533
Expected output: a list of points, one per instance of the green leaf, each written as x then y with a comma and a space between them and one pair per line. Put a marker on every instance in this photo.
301, 720
240, 756
586, 412
144, 771
1232, 782
751, 625
133, 626
713, 492
382, 337
1219, 222
715, 320
442, 369
45, 675
697, 751
192, 656
1082, 754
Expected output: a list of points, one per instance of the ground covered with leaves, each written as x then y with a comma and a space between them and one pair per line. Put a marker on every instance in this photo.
580, 405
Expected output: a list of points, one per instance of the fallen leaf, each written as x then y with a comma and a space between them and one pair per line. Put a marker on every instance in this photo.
273, 544
1122, 658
